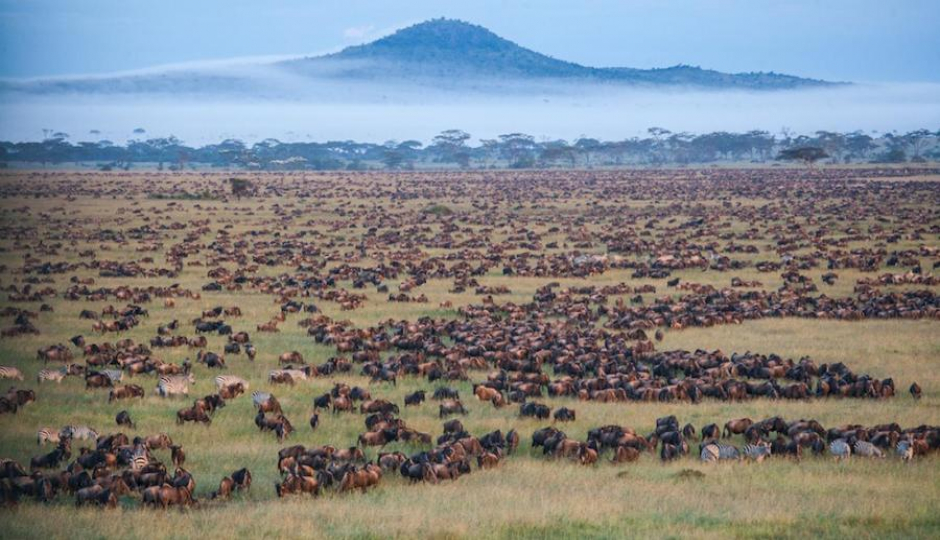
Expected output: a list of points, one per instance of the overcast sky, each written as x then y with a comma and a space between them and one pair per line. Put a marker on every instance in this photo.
860, 40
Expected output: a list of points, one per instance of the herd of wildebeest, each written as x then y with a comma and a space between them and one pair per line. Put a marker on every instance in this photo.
326, 241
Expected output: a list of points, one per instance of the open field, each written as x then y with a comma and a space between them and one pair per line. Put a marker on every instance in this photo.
482, 249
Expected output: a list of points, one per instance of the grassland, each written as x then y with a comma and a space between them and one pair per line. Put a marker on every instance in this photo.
528, 495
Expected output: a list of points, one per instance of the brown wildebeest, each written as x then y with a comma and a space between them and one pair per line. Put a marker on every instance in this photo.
177, 455
226, 486
587, 455
488, 460
736, 427
485, 393
100, 495
453, 426
292, 357
391, 461
166, 496
232, 391
159, 441
98, 380
297, 484
193, 414
915, 390
625, 454
342, 403
564, 414
126, 391
451, 406
362, 479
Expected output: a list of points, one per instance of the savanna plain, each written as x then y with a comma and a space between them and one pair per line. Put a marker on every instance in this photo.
551, 287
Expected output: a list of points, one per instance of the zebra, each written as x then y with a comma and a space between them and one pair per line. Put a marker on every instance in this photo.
259, 398
9, 372
114, 374
78, 432
867, 449
756, 452
905, 450
140, 458
223, 381
174, 384
49, 435
719, 452
54, 375
840, 449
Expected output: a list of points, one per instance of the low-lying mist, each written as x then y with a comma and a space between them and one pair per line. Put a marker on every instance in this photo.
329, 110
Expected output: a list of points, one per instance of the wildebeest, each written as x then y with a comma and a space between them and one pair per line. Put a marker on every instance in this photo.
451, 406
126, 391
415, 398
123, 418
535, 410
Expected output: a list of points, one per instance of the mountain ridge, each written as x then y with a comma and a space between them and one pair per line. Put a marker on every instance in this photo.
437, 53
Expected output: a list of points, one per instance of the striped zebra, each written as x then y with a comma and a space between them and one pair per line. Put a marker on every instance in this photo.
223, 381
719, 452
53, 375
905, 450
840, 449
756, 452
115, 375
47, 435
78, 432
140, 458
259, 398
867, 449
10, 372
171, 385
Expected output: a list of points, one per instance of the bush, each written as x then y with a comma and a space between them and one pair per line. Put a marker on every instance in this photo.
438, 210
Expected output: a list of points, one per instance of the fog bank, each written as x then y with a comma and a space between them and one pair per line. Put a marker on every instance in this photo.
367, 113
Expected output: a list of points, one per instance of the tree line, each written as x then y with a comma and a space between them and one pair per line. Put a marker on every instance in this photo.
452, 149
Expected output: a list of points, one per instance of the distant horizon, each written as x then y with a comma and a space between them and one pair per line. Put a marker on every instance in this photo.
837, 41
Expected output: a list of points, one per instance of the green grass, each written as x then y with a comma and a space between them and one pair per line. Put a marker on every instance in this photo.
527, 496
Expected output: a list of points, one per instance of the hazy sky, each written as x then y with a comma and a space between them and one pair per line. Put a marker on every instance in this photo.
860, 40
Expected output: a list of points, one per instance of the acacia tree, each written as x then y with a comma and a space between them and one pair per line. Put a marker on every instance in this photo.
241, 187
809, 155
518, 149
451, 147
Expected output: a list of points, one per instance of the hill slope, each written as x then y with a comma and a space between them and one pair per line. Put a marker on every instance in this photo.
440, 53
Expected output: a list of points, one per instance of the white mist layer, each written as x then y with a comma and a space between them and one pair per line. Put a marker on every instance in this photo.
367, 113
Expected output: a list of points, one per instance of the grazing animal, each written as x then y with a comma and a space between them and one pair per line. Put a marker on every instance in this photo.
415, 398
451, 406
756, 452
123, 418
867, 449
736, 427
51, 375
8, 372
840, 449
718, 452
174, 385
625, 454
564, 414
47, 435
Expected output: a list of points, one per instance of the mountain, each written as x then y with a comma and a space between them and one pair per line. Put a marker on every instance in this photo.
440, 53
443, 48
